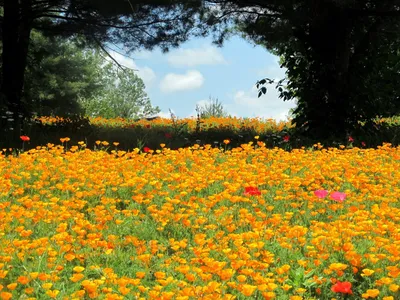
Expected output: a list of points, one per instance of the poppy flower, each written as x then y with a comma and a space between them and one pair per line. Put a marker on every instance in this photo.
286, 138
252, 191
363, 144
146, 149
351, 139
338, 196
321, 193
168, 135
342, 287
25, 138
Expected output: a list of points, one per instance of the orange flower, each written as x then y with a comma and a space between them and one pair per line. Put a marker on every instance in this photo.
5, 295
23, 279
12, 286
76, 277
373, 293
248, 289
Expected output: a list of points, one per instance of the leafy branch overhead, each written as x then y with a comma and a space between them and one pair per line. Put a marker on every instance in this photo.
263, 90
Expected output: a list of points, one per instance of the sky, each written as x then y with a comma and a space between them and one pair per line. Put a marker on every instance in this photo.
198, 71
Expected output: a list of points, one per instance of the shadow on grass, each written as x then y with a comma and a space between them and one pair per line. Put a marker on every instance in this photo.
152, 135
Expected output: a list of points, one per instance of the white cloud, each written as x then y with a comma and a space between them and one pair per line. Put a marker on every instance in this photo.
173, 82
142, 54
247, 103
206, 55
165, 114
145, 73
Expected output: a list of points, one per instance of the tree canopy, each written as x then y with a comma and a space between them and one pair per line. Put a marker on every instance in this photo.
342, 56
58, 74
122, 94
134, 24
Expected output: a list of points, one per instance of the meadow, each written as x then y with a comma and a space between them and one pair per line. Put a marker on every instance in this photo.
205, 221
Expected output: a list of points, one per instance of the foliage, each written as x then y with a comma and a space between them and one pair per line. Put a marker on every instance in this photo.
373, 93
59, 72
122, 95
213, 108
176, 133
133, 25
342, 56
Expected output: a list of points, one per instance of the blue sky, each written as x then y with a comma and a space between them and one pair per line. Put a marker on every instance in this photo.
185, 77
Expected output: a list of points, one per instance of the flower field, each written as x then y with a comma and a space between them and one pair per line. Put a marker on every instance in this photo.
200, 223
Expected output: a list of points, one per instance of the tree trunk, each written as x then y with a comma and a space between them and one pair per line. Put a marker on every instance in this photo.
16, 29
331, 43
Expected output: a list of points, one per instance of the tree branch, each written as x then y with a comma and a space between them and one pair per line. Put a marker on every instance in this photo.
95, 22
108, 54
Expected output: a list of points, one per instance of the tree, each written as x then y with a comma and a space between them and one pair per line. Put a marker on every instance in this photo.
371, 86
58, 74
122, 95
214, 108
131, 23
330, 47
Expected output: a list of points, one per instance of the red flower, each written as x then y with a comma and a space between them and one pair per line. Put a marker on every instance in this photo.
351, 139
25, 138
148, 126
252, 191
286, 138
168, 135
363, 144
342, 287
146, 149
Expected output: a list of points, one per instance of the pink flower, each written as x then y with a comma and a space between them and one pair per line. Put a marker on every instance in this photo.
286, 138
351, 139
338, 196
252, 191
363, 144
321, 193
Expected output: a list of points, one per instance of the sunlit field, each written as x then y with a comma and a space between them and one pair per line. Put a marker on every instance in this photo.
200, 222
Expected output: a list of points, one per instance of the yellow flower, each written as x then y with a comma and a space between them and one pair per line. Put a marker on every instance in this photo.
394, 288
300, 290
47, 285
12, 286
371, 294
78, 269
367, 272
52, 293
